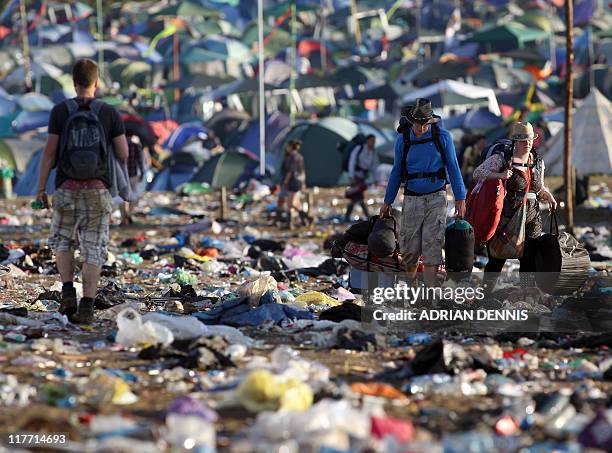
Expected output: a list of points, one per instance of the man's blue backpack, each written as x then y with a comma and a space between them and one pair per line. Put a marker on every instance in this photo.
83, 152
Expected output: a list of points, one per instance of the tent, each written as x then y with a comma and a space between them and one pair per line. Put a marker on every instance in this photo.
602, 77
449, 94
226, 122
508, 36
320, 141
591, 140
182, 135
476, 119
179, 168
18, 152
277, 126
225, 169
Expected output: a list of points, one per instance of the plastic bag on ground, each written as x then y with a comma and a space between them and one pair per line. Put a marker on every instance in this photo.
190, 431
261, 390
303, 261
315, 298
257, 288
181, 327
133, 331
325, 416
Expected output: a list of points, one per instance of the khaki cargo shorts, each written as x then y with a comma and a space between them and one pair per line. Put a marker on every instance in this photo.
422, 228
81, 219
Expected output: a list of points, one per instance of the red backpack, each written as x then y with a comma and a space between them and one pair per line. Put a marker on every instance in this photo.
486, 200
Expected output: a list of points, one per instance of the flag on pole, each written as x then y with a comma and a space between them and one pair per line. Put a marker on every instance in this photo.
165, 33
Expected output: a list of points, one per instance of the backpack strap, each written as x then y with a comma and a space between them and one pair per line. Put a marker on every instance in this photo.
96, 106
71, 105
435, 133
405, 149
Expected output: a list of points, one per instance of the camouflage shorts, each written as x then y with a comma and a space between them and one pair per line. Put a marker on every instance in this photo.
422, 229
81, 218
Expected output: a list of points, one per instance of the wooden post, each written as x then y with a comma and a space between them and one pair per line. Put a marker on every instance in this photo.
27, 69
311, 201
569, 94
223, 203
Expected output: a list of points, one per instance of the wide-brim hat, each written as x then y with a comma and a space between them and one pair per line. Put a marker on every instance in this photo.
421, 112
522, 131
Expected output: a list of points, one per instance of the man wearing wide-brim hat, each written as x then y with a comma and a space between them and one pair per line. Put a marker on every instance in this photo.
425, 160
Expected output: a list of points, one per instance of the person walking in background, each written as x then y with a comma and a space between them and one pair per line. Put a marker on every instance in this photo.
362, 163
471, 158
82, 133
424, 154
293, 174
524, 175
138, 164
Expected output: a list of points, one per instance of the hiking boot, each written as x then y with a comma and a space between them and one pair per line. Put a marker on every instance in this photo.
85, 314
68, 304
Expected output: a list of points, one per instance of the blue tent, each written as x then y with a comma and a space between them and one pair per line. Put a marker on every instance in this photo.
28, 121
277, 126
27, 184
480, 118
182, 134
178, 169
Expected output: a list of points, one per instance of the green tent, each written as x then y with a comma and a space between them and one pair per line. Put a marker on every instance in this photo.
320, 141
17, 152
508, 36
223, 170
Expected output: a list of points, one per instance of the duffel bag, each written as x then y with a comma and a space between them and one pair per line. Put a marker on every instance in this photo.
359, 257
383, 240
459, 246
562, 263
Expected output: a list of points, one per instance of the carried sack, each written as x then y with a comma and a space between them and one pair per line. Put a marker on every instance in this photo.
486, 201
459, 246
359, 257
562, 263
83, 150
509, 239
383, 239
484, 208
355, 191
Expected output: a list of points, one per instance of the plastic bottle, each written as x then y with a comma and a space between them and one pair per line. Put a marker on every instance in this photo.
16, 337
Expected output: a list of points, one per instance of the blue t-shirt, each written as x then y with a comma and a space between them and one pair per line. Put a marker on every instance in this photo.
426, 158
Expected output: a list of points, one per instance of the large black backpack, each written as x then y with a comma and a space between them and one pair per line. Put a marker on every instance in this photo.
83, 152
435, 137
503, 146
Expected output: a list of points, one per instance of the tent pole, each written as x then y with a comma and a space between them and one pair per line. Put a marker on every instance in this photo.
176, 70
569, 94
262, 105
293, 63
27, 68
100, 20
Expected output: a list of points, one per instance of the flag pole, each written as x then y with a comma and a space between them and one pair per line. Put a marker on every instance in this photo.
569, 94
262, 105
293, 63
27, 68
100, 20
